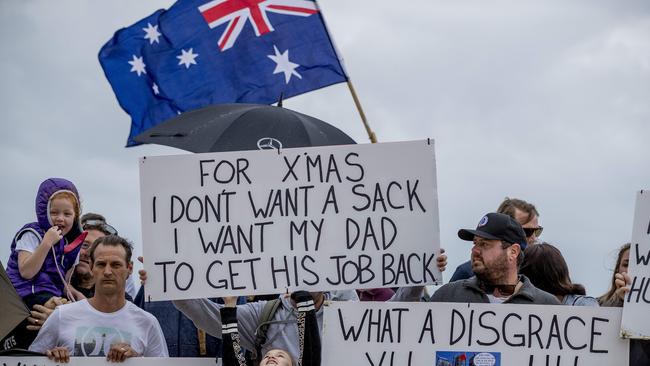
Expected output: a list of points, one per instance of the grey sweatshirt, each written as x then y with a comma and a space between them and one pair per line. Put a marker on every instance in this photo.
205, 315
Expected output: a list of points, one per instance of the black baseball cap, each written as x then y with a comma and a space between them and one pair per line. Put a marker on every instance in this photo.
496, 226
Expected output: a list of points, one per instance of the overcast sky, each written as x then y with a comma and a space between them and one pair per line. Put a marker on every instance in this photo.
542, 100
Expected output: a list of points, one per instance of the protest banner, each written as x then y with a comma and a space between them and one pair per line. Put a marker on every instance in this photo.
636, 323
270, 221
450, 334
101, 361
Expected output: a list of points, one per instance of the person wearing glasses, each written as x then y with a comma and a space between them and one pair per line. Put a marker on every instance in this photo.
525, 214
499, 242
82, 278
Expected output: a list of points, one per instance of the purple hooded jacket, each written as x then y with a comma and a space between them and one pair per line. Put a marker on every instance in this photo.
47, 279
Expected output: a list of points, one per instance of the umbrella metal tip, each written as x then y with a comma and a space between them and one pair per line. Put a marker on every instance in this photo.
280, 100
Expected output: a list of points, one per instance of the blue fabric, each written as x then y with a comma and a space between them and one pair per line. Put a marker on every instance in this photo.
462, 272
241, 72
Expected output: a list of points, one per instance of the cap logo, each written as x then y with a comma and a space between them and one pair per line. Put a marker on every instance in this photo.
483, 221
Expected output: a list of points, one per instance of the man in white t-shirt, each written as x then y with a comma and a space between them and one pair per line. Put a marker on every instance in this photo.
106, 325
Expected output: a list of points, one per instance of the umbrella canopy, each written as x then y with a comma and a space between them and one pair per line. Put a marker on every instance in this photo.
236, 127
12, 307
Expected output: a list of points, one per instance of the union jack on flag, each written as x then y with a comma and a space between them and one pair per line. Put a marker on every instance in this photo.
201, 52
237, 12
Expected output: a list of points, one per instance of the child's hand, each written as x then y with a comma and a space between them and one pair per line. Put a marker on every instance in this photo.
53, 236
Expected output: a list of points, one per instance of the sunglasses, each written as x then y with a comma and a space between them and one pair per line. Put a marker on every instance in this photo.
505, 290
99, 225
533, 230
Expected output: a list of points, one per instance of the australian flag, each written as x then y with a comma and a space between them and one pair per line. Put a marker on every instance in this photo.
201, 52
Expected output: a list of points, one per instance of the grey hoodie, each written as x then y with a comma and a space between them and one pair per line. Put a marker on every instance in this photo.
284, 334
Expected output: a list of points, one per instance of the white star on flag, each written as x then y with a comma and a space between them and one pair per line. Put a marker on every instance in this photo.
137, 65
151, 33
282, 64
187, 58
156, 91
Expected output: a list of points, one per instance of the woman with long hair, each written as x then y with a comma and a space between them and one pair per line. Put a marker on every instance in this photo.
546, 268
614, 296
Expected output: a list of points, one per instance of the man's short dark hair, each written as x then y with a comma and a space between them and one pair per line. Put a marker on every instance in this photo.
112, 240
520, 257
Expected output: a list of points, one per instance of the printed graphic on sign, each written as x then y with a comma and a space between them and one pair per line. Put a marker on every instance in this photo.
456, 358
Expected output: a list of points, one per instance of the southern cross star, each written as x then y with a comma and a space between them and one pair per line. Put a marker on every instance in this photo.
282, 64
187, 58
151, 33
137, 65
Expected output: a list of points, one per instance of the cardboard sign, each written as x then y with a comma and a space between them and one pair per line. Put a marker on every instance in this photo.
636, 322
449, 334
101, 361
269, 221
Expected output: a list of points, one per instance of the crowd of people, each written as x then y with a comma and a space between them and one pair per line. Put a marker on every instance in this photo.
75, 274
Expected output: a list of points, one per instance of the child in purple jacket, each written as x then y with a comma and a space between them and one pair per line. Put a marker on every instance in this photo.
43, 252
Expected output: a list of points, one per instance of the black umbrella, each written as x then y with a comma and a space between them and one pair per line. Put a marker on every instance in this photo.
236, 127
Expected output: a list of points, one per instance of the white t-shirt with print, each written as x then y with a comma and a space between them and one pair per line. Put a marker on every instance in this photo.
86, 331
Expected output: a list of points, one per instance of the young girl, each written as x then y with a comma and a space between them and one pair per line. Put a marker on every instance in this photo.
40, 252
308, 336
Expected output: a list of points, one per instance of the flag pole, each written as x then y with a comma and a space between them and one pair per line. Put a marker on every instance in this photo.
371, 133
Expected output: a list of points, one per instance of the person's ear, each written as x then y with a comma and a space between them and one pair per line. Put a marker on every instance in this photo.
130, 267
514, 250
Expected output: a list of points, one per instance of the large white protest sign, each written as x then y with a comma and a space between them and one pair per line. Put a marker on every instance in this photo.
636, 308
101, 361
268, 221
448, 334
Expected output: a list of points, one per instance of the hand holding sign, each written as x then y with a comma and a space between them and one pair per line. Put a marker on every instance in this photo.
636, 323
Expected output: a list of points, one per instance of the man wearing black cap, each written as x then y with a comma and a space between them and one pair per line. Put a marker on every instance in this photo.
525, 213
499, 242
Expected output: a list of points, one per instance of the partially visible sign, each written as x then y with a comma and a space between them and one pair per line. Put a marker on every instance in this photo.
636, 308
101, 361
450, 334
270, 221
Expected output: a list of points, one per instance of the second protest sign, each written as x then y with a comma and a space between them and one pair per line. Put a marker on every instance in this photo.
450, 334
259, 222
